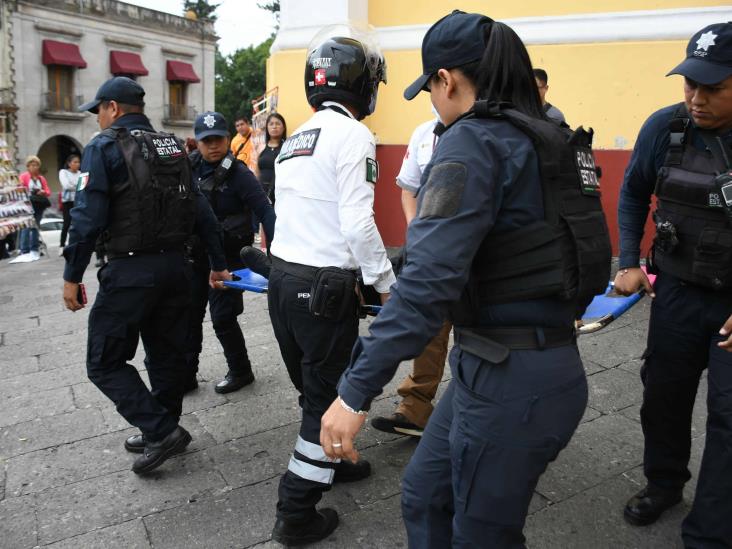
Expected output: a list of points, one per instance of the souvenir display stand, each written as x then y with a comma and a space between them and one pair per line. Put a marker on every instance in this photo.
16, 211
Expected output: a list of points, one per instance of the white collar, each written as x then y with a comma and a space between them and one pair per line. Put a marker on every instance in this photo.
336, 104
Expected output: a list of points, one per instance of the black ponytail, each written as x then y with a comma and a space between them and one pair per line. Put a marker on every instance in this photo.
505, 72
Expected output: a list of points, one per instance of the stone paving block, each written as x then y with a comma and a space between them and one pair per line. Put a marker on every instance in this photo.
236, 518
599, 450
32, 383
250, 416
39, 433
51, 360
613, 390
90, 458
18, 528
19, 366
610, 348
202, 398
17, 409
594, 519
9, 323
84, 506
633, 366
128, 535
590, 415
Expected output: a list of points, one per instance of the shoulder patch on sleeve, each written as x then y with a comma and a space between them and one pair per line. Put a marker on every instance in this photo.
82, 182
372, 170
300, 144
443, 190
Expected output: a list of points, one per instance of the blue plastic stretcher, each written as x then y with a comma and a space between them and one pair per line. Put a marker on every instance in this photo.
602, 311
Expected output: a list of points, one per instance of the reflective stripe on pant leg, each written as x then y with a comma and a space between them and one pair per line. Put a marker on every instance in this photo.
310, 462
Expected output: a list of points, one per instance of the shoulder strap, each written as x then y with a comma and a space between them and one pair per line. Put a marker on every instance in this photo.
717, 148
678, 128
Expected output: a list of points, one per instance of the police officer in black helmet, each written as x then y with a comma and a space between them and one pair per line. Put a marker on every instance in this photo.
326, 172
511, 241
136, 190
234, 194
683, 155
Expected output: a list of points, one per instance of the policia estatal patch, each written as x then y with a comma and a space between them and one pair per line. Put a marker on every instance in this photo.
443, 190
300, 144
587, 171
372, 170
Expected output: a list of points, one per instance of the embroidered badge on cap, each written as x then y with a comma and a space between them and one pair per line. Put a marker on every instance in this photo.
372, 170
82, 181
300, 144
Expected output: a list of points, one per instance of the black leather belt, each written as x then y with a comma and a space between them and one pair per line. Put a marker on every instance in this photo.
306, 272
495, 344
143, 252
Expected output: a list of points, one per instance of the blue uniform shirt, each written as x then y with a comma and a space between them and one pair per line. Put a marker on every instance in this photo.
242, 190
502, 192
104, 163
639, 183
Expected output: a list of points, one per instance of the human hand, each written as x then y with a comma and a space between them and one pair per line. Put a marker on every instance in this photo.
216, 279
726, 331
338, 428
70, 294
630, 281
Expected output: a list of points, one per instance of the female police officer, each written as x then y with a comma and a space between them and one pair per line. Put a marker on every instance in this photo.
495, 223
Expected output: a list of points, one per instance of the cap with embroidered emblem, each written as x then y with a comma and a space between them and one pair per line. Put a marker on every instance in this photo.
708, 55
210, 123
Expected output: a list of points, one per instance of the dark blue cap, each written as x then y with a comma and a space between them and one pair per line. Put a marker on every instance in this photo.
120, 89
456, 39
708, 55
210, 123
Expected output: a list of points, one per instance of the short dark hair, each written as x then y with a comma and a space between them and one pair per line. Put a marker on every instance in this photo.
243, 117
125, 107
540, 74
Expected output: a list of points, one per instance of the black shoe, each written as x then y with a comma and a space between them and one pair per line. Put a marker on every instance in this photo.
156, 453
256, 260
190, 385
319, 527
397, 424
646, 506
135, 444
233, 383
346, 471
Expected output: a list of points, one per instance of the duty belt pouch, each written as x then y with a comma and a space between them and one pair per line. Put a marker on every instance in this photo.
332, 294
712, 253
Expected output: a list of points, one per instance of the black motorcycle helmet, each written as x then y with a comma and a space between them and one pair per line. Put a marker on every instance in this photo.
345, 69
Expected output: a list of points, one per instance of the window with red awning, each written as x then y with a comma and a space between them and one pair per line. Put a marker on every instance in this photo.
126, 63
180, 71
62, 53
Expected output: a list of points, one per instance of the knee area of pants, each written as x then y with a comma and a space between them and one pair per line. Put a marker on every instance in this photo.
224, 324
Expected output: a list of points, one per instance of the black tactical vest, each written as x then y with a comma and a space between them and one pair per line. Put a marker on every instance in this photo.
154, 209
693, 234
567, 254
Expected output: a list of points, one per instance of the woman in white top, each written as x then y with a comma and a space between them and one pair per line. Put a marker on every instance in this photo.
68, 177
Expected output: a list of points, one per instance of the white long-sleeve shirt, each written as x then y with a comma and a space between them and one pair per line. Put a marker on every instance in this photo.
326, 174
68, 180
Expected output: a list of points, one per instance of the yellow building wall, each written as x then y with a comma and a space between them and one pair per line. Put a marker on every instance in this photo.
387, 13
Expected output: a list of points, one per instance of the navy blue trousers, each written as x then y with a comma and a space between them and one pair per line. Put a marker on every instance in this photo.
143, 296
682, 342
492, 435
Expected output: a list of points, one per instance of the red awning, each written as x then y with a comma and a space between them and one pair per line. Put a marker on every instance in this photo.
125, 62
62, 53
178, 71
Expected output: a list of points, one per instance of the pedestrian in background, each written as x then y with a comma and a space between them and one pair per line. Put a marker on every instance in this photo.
39, 194
68, 176
242, 144
275, 133
542, 82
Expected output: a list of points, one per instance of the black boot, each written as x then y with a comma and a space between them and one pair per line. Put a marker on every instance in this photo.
346, 471
233, 382
156, 453
646, 506
291, 534
135, 444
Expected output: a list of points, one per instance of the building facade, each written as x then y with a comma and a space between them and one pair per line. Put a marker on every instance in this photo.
62, 50
606, 63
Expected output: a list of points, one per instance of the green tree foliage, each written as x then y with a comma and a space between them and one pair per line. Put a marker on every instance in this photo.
241, 77
272, 6
202, 8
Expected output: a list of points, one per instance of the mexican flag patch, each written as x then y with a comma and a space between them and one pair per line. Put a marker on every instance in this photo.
372, 170
82, 181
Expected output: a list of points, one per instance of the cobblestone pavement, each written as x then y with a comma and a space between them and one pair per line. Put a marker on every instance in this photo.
65, 479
